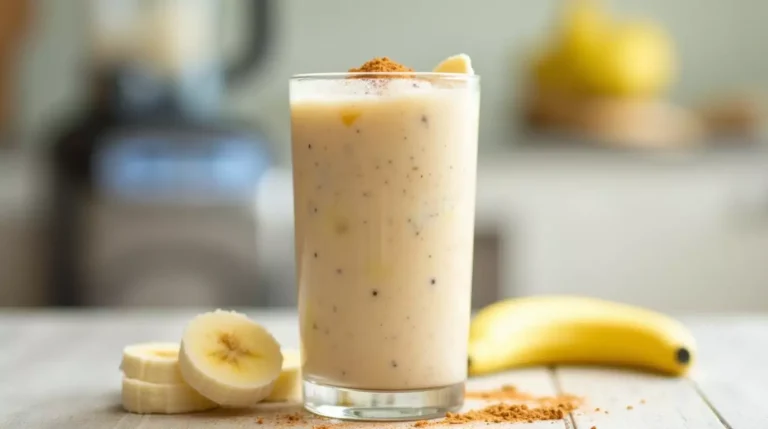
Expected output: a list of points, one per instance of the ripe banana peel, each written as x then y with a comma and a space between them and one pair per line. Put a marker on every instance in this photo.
548, 330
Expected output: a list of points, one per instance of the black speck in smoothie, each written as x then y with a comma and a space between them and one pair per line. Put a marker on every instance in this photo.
425, 120
394, 364
422, 176
430, 256
418, 233
407, 317
365, 221
335, 309
366, 194
375, 292
327, 331
357, 130
343, 373
405, 137
314, 326
315, 255
389, 162
378, 166
338, 271
314, 210
309, 146
386, 182
317, 164
404, 191
433, 281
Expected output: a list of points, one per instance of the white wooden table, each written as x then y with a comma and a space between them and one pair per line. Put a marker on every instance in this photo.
59, 370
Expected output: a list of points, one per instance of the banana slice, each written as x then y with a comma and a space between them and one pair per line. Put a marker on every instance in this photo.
288, 384
152, 362
455, 64
152, 398
229, 359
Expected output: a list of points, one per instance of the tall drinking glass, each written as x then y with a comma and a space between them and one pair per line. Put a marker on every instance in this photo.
384, 172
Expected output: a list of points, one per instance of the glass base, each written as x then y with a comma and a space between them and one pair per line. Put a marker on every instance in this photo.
381, 405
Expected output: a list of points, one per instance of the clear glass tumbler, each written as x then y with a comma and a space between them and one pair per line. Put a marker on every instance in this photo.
384, 170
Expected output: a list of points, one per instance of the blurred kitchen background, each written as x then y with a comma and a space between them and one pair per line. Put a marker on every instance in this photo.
145, 145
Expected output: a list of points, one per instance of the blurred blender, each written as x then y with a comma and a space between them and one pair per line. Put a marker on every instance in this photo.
152, 185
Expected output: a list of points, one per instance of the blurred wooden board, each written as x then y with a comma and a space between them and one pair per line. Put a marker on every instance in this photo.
628, 123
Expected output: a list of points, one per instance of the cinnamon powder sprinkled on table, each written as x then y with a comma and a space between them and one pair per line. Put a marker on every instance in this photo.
288, 419
511, 393
535, 408
501, 413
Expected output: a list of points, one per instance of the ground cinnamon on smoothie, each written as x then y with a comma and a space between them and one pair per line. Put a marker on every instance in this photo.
381, 65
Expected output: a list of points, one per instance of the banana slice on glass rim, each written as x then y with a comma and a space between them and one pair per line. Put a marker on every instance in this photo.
460, 64
229, 359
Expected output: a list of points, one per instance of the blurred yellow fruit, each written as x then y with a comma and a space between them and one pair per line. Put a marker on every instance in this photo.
551, 72
635, 59
583, 27
593, 54
578, 36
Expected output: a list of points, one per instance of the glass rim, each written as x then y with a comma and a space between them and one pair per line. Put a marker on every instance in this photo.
375, 75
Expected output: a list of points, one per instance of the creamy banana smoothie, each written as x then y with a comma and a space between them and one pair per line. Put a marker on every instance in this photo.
384, 181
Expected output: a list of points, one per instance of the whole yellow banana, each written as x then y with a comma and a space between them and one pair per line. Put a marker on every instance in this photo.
547, 330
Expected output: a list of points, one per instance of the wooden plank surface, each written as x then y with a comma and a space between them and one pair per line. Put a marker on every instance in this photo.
617, 398
60, 370
732, 372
